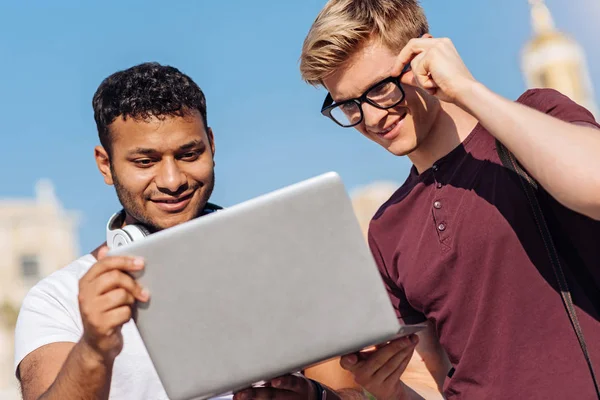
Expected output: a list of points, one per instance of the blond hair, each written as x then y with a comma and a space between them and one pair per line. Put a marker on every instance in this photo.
343, 26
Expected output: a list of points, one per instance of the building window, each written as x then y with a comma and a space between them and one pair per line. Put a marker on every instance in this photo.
30, 266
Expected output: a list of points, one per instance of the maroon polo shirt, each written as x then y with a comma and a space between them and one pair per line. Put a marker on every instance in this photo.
458, 245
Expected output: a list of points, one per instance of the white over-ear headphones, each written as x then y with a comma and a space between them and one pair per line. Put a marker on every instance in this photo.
119, 235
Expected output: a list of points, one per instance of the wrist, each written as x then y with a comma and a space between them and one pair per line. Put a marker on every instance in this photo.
405, 392
347, 394
469, 94
91, 359
400, 392
424, 392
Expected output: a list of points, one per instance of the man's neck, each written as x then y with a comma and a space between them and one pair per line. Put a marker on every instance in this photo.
450, 129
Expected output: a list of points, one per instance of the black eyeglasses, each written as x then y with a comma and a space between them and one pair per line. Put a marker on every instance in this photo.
384, 95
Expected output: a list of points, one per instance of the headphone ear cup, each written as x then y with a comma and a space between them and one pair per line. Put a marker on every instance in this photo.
116, 237
135, 232
126, 235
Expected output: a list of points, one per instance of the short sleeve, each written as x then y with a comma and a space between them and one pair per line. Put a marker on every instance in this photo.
404, 311
556, 104
49, 314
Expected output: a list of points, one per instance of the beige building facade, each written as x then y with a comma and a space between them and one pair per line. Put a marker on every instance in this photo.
367, 199
37, 237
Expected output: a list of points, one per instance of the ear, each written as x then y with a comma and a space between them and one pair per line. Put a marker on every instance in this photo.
211, 140
103, 163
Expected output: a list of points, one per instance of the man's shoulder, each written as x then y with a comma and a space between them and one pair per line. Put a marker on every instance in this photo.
396, 198
556, 104
50, 312
66, 279
539, 95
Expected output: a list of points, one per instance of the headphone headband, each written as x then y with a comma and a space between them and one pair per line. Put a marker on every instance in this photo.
119, 235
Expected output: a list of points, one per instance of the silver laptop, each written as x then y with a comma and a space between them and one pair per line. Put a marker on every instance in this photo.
264, 288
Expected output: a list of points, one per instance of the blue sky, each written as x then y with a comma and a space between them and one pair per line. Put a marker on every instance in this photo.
244, 55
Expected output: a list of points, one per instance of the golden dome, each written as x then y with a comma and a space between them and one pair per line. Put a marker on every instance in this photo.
545, 32
551, 59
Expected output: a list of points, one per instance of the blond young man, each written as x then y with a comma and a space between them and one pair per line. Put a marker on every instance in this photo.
458, 244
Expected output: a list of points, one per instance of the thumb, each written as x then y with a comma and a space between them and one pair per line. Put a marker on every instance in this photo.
349, 361
102, 252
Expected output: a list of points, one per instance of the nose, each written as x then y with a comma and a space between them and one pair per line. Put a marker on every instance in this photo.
373, 116
170, 177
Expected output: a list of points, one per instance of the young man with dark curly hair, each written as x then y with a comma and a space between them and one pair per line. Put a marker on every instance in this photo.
157, 150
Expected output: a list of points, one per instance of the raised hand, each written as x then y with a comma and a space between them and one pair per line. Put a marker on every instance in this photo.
106, 296
437, 68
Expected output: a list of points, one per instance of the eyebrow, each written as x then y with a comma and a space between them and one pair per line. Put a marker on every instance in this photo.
148, 151
192, 144
369, 86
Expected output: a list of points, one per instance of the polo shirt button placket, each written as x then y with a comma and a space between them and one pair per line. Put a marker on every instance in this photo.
437, 208
435, 168
438, 216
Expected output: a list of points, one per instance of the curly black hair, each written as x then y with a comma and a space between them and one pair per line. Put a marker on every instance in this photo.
143, 91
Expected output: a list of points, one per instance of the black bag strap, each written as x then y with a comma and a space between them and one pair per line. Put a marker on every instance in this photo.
530, 187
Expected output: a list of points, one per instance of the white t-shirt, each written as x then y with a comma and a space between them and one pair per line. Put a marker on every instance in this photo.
50, 314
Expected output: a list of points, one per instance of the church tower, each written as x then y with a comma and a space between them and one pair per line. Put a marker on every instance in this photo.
551, 59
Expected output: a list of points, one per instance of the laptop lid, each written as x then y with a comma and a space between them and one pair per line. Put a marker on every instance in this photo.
264, 288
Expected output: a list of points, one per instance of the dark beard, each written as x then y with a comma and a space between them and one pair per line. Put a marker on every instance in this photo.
127, 200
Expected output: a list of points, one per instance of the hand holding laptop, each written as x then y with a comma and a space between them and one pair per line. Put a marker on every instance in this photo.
106, 294
378, 370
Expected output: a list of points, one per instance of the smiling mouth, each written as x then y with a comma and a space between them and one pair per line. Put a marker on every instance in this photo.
389, 129
173, 201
